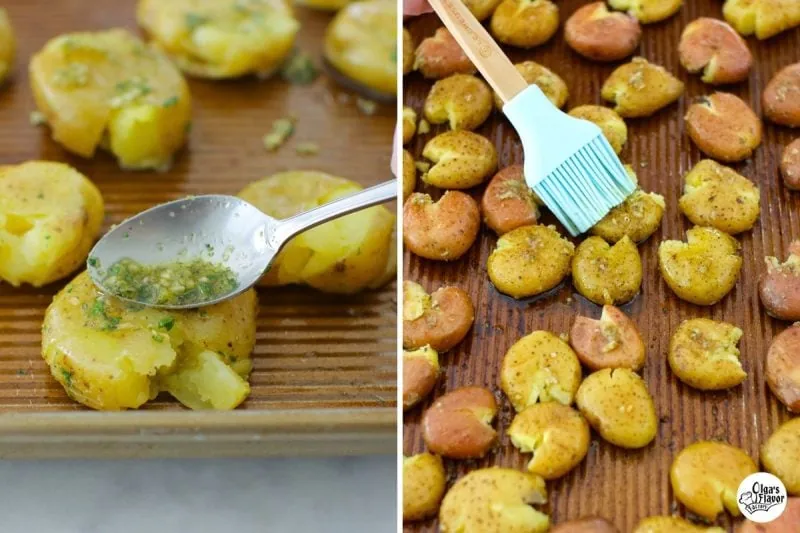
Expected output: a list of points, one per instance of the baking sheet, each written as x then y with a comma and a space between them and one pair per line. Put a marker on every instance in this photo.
626, 486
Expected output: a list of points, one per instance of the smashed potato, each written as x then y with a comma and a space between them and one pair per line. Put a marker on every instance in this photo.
529, 260
420, 373
461, 100
540, 367
408, 52
779, 286
764, 18
703, 354
781, 96
462, 159
641, 88
508, 203
108, 89
557, 435
440, 320
459, 424
548, 81
424, 481
637, 217
672, 524
585, 525
602, 35
409, 124
724, 127
717, 196
524, 23
494, 500
50, 215
785, 523
780, 455
706, 475
783, 368
409, 174
607, 274
703, 269
790, 165
110, 355
619, 407
613, 127
8, 45
611, 342
440, 56
481, 8
346, 255
713, 47
648, 11
442, 230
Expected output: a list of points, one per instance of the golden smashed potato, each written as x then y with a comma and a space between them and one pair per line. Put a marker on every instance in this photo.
346, 255
108, 89
779, 286
781, 96
585, 525
459, 424
703, 269
713, 47
637, 217
508, 203
409, 124
613, 127
783, 368
717, 196
409, 174
607, 274
524, 23
540, 367
462, 101
482, 9
602, 35
494, 500
780, 455
221, 38
109, 355
462, 159
443, 230
790, 165
619, 407
641, 88
557, 435
764, 18
439, 320
8, 45
361, 43
648, 11
424, 481
611, 342
408, 52
529, 260
703, 353
672, 524
50, 215
785, 523
723, 127
440, 56
706, 475
420, 373
551, 84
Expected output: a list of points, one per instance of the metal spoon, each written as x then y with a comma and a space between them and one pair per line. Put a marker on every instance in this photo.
219, 229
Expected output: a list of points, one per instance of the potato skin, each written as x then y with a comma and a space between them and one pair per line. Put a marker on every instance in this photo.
780, 455
790, 165
637, 217
672, 524
482, 9
440, 56
614, 128
551, 84
599, 34
714, 47
723, 127
605, 274
648, 11
585, 525
8, 46
440, 320
461, 100
611, 342
462, 160
442, 230
508, 203
764, 18
703, 354
785, 523
420, 374
458, 425
524, 25
641, 88
781, 96
424, 481
779, 286
783, 368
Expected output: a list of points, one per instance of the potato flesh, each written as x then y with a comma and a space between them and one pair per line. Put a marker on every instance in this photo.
780, 455
607, 275
703, 354
764, 18
8, 45
641, 88
424, 480
637, 217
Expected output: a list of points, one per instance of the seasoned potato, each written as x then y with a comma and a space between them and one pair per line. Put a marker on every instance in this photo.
703, 354
540, 367
602, 35
611, 342
529, 260
779, 286
409, 174
780, 455
440, 320
494, 500
361, 43
420, 373
556, 434
508, 203
781, 96
638, 217
440, 56
723, 127
461, 100
783, 368
672, 524
110, 355
607, 274
524, 23
409, 124
408, 52
50, 215
221, 38
619, 407
764, 18
648, 11
585, 525
424, 482
345, 255
641, 88
481, 8
548, 81
442, 230
785, 523
8, 45
713, 47
109, 89
459, 424
614, 129
462, 159
706, 475
790, 165
717, 196
703, 269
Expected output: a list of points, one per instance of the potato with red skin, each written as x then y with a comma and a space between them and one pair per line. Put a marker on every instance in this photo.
508, 203
524, 23
779, 286
461, 100
780, 455
408, 52
790, 165
641, 88
783, 368
713, 47
443, 230
440, 56
585, 525
781, 97
785, 523
614, 128
420, 373
458, 425
602, 35
551, 84
461, 160
672, 524
611, 342
723, 127
439, 320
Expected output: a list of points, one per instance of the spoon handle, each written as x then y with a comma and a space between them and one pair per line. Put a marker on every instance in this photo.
285, 229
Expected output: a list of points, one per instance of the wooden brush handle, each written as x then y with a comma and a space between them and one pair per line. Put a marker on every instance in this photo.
480, 48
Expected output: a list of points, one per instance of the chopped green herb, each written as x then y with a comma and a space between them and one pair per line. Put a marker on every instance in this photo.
130, 90
99, 314
126, 235
166, 323
158, 337
299, 69
21, 372
393, 56
72, 76
307, 148
66, 375
281, 130
37, 118
47, 237
93, 262
193, 21
170, 102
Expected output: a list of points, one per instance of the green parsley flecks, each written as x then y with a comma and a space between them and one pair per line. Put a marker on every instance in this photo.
299, 69
281, 130
170, 102
129, 91
71, 76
